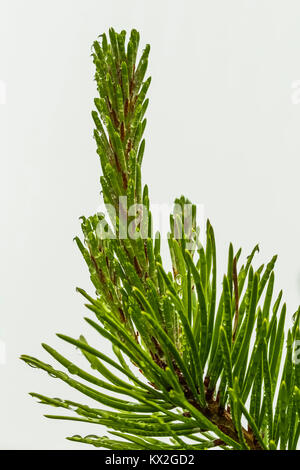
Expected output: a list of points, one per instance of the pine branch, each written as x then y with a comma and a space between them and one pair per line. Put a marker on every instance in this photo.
199, 367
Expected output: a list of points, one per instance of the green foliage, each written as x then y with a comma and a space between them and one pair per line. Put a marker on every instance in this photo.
201, 369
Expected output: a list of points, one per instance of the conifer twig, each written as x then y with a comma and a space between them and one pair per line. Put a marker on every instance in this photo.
191, 360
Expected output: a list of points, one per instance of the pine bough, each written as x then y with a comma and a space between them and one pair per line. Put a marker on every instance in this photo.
191, 369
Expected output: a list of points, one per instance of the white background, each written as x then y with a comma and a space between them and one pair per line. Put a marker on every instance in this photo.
223, 129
